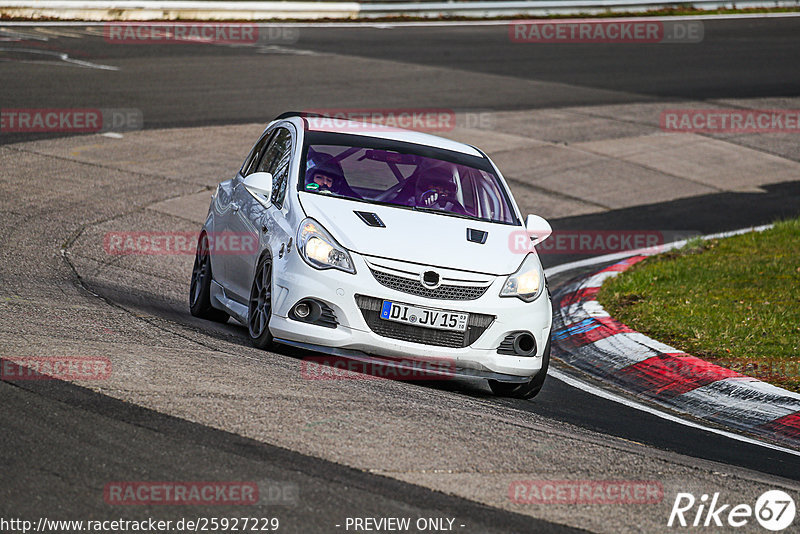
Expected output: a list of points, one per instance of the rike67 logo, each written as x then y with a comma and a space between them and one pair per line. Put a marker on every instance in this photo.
774, 510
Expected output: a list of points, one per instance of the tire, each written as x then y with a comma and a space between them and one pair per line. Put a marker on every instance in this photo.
259, 308
200, 289
529, 389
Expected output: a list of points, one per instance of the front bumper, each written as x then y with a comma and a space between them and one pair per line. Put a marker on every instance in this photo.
295, 280
405, 366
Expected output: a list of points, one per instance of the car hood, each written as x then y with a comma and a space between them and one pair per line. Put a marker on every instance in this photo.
414, 236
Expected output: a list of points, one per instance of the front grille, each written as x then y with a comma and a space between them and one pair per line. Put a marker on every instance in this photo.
371, 310
415, 287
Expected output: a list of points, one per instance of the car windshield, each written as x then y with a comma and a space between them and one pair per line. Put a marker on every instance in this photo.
382, 176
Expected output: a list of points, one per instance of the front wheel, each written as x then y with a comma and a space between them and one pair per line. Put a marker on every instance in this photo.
529, 389
200, 290
259, 309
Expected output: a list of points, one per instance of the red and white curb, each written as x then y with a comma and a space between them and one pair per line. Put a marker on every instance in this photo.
588, 338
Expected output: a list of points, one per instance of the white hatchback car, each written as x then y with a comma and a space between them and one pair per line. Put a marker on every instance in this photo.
377, 244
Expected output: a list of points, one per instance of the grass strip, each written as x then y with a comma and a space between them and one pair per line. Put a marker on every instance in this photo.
734, 301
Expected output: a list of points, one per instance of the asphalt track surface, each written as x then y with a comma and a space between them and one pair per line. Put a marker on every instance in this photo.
189, 85
77, 438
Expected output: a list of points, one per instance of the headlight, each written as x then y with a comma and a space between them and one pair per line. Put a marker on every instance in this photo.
527, 283
320, 250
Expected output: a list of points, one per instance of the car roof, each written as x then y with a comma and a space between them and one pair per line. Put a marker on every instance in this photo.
318, 123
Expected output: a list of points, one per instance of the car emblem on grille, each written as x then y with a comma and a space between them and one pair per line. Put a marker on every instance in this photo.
430, 279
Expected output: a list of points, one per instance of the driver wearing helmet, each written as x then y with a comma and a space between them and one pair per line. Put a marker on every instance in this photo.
327, 175
436, 188
323, 179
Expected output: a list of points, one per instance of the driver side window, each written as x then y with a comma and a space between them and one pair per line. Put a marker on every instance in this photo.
252, 160
275, 161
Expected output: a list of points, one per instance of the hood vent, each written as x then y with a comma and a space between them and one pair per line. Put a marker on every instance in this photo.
476, 236
371, 219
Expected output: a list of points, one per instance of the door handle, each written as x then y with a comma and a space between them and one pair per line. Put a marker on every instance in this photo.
234, 206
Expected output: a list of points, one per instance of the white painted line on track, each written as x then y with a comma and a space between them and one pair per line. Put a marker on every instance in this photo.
61, 56
588, 388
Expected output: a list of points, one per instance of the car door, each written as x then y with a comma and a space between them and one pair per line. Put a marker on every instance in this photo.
252, 220
225, 214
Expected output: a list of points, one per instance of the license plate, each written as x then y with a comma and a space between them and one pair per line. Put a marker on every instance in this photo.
425, 317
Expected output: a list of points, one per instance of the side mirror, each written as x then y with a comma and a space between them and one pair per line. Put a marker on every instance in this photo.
260, 186
538, 228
